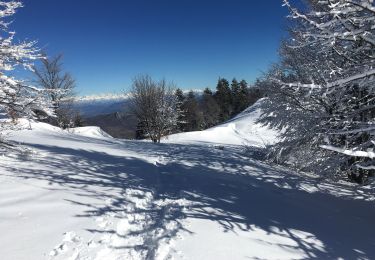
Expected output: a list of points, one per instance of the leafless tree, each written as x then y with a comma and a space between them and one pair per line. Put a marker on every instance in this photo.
60, 86
155, 106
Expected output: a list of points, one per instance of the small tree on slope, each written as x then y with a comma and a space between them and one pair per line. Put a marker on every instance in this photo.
156, 107
16, 97
60, 85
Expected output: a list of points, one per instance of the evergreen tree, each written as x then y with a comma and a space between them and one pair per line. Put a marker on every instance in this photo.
210, 109
180, 95
236, 97
244, 96
193, 115
180, 104
223, 98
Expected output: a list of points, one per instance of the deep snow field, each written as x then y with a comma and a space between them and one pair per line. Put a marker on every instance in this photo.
81, 194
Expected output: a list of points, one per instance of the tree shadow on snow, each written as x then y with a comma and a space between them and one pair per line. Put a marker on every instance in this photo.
243, 193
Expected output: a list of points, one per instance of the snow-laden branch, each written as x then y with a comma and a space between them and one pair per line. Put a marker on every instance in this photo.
365, 167
366, 154
354, 131
328, 85
16, 97
337, 26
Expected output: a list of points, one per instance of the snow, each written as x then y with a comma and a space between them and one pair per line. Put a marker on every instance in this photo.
241, 130
83, 195
90, 131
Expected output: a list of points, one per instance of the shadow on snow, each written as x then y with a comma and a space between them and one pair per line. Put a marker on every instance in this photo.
253, 195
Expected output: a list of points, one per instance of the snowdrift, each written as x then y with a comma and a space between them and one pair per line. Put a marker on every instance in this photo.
241, 130
44, 128
90, 131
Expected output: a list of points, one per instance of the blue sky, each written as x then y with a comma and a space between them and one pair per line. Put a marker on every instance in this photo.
191, 42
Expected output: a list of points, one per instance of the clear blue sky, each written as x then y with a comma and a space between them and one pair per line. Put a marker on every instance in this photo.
192, 42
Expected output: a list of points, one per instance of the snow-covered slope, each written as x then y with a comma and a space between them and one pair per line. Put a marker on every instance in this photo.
241, 130
86, 196
90, 131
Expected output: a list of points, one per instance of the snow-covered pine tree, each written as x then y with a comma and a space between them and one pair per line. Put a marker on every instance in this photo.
17, 98
180, 105
323, 90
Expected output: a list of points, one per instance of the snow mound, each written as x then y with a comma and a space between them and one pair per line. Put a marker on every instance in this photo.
90, 131
44, 128
240, 130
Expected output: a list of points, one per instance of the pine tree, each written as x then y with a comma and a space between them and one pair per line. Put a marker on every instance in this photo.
193, 114
244, 96
180, 103
223, 98
210, 109
236, 97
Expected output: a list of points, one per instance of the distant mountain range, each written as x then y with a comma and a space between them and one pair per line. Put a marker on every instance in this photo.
90, 106
110, 112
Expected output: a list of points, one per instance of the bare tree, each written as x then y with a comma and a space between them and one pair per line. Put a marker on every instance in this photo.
155, 106
60, 86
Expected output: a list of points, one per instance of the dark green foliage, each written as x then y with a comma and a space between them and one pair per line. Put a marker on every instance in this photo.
202, 111
180, 103
193, 114
210, 109
223, 98
236, 97
180, 95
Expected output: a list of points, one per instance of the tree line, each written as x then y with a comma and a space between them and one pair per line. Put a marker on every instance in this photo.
210, 108
191, 111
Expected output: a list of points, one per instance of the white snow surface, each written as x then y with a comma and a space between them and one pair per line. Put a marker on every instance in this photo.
241, 130
84, 195
90, 131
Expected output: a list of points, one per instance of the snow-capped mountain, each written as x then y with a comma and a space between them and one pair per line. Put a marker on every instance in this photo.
109, 103
102, 104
